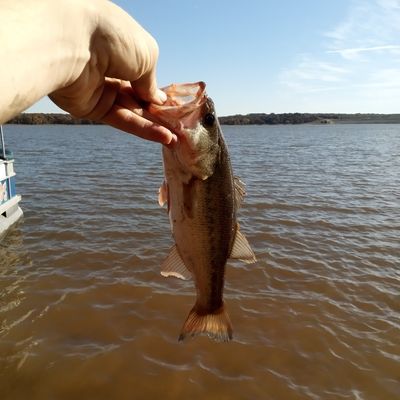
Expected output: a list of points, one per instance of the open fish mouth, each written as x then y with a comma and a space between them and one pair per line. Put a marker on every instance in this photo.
184, 95
183, 108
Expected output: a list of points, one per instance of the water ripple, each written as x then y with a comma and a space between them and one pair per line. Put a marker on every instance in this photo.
84, 311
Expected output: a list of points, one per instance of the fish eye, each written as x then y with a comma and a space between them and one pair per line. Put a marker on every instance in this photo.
209, 119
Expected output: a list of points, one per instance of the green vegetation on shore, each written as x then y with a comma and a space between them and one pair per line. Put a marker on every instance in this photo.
238, 119
307, 118
49, 119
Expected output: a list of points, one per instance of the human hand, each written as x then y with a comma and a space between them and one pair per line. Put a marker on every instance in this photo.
119, 76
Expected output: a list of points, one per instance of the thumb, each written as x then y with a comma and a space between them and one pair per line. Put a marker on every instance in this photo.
146, 88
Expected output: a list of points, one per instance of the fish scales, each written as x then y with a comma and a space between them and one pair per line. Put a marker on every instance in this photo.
212, 231
202, 196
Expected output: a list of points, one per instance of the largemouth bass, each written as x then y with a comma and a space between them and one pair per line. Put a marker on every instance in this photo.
203, 197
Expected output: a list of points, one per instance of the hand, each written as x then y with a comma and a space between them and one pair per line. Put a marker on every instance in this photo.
118, 76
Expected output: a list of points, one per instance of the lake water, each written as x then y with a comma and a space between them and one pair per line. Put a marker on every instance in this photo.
85, 314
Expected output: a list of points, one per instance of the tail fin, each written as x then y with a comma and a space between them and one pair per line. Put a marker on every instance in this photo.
216, 325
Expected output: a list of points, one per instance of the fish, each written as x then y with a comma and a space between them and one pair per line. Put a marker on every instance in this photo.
202, 197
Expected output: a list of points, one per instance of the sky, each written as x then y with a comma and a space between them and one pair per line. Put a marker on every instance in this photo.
278, 56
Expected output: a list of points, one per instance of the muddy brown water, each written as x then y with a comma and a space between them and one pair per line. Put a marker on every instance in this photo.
85, 314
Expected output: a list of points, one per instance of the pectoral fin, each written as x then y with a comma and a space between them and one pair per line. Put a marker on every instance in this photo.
173, 265
241, 249
163, 194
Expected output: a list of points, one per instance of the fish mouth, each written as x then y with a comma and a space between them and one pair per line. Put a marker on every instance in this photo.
184, 95
183, 108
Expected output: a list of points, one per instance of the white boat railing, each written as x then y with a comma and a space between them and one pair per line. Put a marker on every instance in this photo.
10, 212
3, 145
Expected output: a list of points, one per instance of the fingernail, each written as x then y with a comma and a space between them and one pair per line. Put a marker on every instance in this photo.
172, 142
161, 96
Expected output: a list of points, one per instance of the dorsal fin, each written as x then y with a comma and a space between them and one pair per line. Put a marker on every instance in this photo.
241, 249
173, 265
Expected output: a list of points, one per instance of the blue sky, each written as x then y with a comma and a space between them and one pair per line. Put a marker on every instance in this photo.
278, 55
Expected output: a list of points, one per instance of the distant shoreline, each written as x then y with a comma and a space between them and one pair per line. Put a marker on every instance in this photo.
238, 119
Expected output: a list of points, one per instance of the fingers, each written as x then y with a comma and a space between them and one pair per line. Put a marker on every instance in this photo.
127, 115
115, 105
124, 50
146, 88
128, 121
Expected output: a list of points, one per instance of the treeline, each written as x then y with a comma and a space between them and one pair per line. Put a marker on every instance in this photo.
268, 119
50, 119
304, 118
238, 119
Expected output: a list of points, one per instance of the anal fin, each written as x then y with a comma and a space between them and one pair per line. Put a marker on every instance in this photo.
240, 191
241, 249
173, 265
